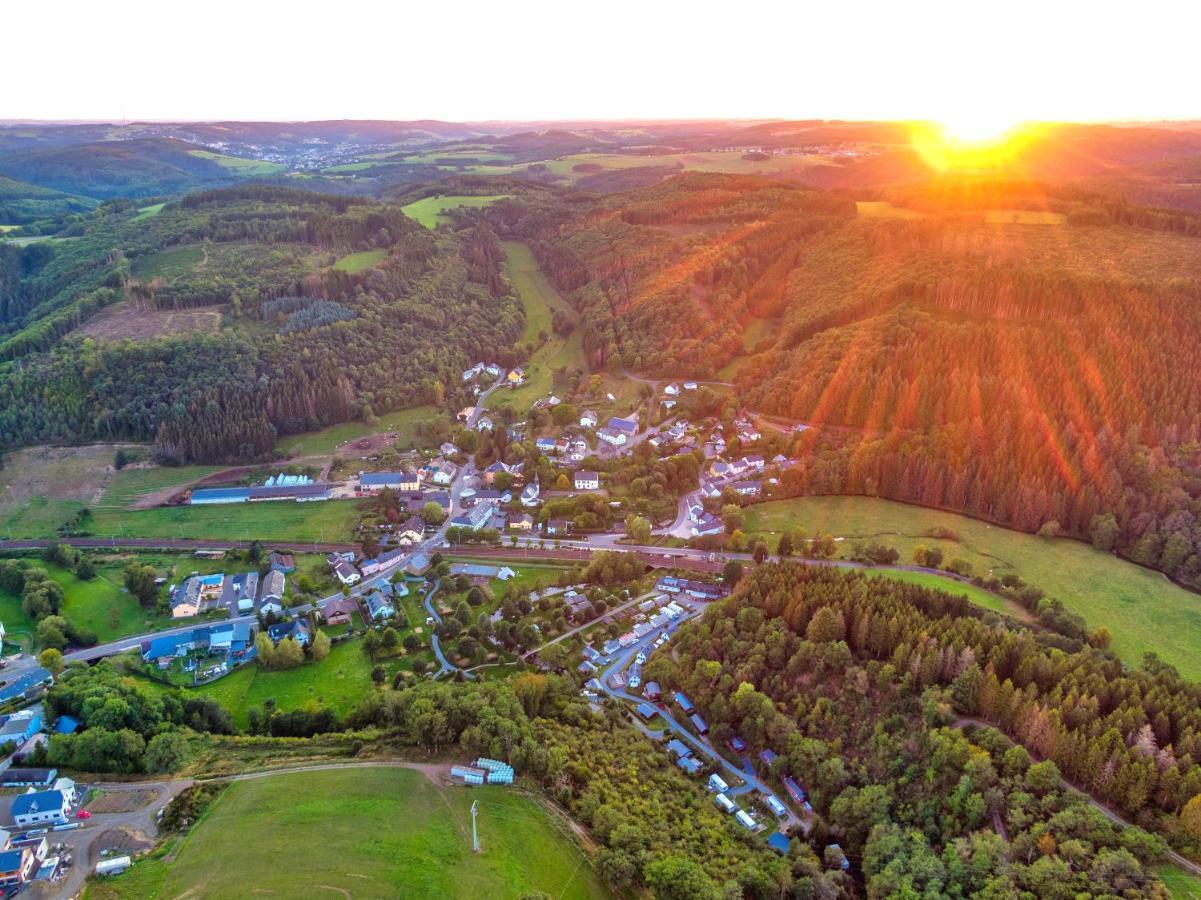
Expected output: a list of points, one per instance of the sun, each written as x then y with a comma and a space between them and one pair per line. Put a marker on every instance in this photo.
977, 139
977, 127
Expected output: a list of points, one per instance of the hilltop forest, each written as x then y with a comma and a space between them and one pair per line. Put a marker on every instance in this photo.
311, 344
1035, 375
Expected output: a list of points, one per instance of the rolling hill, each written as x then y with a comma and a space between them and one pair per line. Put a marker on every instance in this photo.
21, 203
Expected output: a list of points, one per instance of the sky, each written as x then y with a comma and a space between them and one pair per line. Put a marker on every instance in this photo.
465, 60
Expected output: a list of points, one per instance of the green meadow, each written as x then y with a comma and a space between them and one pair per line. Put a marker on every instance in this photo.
540, 300
430, 211
1143, 610
329, 520
364, 259
365, 833
328, 440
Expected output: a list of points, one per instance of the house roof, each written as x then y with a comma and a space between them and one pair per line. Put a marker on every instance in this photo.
23, 682
11, 860
628, 426
38, 801
66, 725
587, 475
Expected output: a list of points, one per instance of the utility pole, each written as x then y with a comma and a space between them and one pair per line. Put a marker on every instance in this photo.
475, 837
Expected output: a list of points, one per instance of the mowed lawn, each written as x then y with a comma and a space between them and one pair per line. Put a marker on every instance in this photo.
339, 681
430, 211
327, 440
976, 595
357, 262
323, 521
1143, 610
365, 833
1182, 885
540, 300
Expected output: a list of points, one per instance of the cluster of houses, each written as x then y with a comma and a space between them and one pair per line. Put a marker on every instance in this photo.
217, 647
350, 568
514, 377
25, 858
243, 593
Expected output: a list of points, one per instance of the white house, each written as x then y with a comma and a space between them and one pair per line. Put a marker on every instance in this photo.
612, 436
347, 574
40, 808
586, 480
529, 495
483, 424
588, 419
672, 390
690, 385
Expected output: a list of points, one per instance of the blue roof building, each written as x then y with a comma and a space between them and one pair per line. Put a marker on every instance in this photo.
625, 426
778, 842
66, 725
219, 495
39, 808
25, 683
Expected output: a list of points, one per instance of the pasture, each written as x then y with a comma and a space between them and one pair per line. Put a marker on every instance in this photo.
329, 440
430, 211
1143, 610
357, 262
540, 300
1182, 885
398, 834
324, 521
240, 165
339, 681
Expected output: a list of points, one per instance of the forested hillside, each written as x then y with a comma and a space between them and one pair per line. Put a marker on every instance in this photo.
866, 686
1037, 375
305, 345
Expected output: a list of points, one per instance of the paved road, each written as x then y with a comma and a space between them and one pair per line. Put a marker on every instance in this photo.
565, 635
444, 665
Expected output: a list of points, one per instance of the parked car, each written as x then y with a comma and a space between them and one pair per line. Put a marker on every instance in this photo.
83, 814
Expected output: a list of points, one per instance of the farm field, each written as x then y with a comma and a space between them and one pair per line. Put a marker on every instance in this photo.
239, 165
540, 300
129, 485
364, 259
339, 681
41, 488
398, 835
328, 440
1143, 610
329, 520
429, 211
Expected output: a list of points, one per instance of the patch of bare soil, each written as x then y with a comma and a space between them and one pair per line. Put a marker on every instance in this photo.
127, 321
121, 801
124, 840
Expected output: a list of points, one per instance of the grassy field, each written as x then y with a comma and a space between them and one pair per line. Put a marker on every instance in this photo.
540, 300
168, 263
130, 485
102, 605
398, 835
1142, 609
1182, 885
976, 595
330, 520
364, 259
328, 440
146, 212
429, 212
339, 681
239, 165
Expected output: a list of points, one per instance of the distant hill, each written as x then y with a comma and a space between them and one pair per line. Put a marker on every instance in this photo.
21, 203
136, 168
